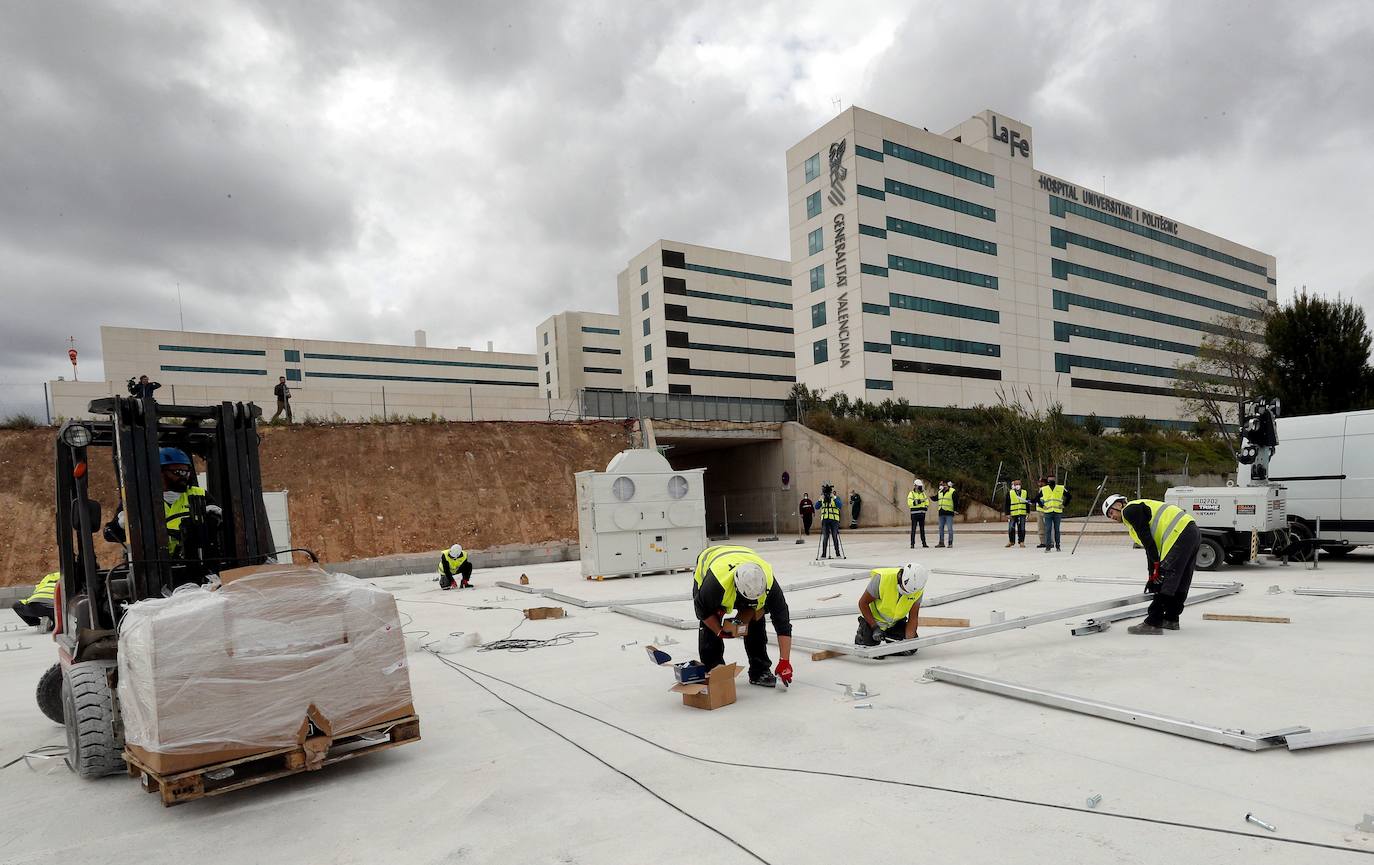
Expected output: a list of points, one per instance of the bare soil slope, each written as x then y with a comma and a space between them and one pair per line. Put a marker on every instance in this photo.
357, 490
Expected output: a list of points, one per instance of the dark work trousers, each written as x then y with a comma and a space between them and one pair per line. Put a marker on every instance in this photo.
712, 648
1053, 524
830, 529
864, 636
33, 611
1175, 578
806, 521
1016, 529
464, 573
918, 524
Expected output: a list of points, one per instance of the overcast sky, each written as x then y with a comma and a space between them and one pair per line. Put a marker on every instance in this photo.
358, 170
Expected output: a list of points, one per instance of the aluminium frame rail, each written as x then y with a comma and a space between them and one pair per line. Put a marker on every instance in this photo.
1232, 738
1321, 738
881, 651
824, 612
1098, 624
553, 595
952, 572
1118, 581
1334, 593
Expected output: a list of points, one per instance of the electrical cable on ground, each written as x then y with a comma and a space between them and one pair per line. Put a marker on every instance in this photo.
467, 672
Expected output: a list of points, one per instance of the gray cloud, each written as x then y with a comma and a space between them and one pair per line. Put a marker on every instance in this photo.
357, 170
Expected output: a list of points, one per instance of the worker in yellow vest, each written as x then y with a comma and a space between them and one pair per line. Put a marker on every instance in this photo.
1018, 502
890, 607
454, 562
945, 501
733, 578
830, 520
1052, 498
1170, 538
918, 503
39, 605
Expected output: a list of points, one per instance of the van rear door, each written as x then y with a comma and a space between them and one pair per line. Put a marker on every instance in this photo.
1309, 463
1357, 498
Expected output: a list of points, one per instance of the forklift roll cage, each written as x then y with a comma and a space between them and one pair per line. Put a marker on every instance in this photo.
225, 436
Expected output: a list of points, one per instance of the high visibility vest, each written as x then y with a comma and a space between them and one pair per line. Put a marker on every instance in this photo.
1052, 500
917, 502
830, 508
721, 561
891, 605
176, 512
1167, 522
45, 590
453, 564
1018, 503
947, 500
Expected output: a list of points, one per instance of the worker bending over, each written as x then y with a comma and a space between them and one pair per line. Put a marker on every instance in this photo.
39, 605
454, 562
732, 578
1170, 539
890, 608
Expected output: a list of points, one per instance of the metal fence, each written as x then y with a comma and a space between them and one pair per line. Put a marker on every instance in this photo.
671, 406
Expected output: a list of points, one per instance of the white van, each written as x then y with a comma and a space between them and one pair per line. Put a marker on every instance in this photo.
1326, 462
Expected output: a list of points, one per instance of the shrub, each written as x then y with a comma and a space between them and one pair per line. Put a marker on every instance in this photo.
1092, 425
20, 420
1136, 425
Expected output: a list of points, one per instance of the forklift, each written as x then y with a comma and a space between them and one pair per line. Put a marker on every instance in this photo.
80, 690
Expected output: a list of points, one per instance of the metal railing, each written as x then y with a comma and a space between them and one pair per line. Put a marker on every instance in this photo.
671, 406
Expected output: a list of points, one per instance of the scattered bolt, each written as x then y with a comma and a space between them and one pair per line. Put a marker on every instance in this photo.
863, 705
1251, 818
1094, 800
848, 691
1062, 578
631, 643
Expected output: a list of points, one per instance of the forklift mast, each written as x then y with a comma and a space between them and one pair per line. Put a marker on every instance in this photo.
224, 436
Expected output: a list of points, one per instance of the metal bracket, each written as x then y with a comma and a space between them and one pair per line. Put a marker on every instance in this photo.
1232, 738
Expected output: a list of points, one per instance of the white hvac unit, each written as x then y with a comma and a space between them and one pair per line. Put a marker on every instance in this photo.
640, 515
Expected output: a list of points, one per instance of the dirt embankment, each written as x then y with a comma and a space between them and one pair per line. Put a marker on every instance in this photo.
356, 490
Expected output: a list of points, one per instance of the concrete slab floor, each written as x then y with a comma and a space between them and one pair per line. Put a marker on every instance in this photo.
489, 785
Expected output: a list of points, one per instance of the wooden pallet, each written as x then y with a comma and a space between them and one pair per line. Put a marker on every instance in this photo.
271, 765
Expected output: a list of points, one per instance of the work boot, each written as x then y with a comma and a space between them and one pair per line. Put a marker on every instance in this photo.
1145, 628
1023, 545
763, 680
1171, 624
940, 545
1011, 544
466, 585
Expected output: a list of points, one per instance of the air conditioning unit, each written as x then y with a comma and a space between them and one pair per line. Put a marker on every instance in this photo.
640, 516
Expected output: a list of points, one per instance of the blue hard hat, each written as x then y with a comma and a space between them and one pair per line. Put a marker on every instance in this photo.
173, 457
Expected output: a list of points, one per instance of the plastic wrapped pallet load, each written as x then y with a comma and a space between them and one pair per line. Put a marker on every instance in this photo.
271, 656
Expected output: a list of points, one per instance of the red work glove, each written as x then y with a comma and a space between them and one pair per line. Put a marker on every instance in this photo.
1152, 585
784, 671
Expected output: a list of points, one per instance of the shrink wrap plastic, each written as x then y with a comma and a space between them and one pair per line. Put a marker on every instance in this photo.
242, 666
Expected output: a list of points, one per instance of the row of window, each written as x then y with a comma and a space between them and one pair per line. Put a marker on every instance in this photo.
1063, 331
1063, 269
200, 349
602, 369
908, 154
358, 376
416, 360
941, 271
939, 235
676, 312
877, 309
868, 153
949, 369
939, 199
683, 366
873, 270
1063, 300
678, 339
1062, 239
1060, 206
672, 285
211, 369
878, 348
1066, 362
738, 274
608, 331
596, 349
943, 307
877, 384
945, 343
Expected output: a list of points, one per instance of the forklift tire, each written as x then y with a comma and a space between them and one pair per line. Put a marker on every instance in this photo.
50, 693
1209, 555
94, 746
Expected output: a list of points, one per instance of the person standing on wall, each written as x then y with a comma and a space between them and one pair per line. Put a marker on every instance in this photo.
918, 503
143, 389
856, 503
1170, 538
1053, 497
283, 399
830, 520
945, 499
1017, 505
737, 578
807, 509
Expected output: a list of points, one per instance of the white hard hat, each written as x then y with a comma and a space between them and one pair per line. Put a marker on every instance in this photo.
1112, 501
749, 581
913, 578
456, 550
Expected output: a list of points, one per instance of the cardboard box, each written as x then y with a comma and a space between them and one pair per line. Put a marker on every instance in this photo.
544, 613
719, 689
735, 627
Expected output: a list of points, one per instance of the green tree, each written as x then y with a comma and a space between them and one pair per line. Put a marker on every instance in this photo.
1318, 360
1215, 385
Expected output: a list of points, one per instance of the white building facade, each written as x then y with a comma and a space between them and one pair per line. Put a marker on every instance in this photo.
946, 270
579, 351
704, 321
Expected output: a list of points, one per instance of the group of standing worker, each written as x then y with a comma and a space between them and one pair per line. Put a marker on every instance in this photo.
1049, 501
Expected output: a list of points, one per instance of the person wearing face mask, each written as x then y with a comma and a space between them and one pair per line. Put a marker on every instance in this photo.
1052, 500
178, 496
945, 500
1017, 505
1041, 522
918, 503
